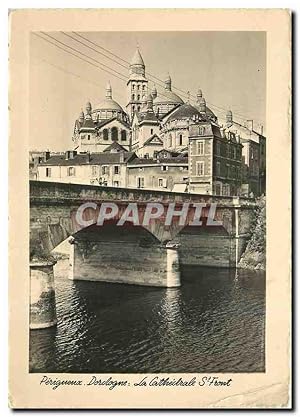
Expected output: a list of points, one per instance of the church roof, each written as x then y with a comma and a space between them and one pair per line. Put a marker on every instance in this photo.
186, 111
167, 97
137, 58
108, 104
209, 113
106, 121
148, 117
88, 124
115, 147
157, 140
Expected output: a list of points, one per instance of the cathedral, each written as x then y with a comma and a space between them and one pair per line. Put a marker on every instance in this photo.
157, 141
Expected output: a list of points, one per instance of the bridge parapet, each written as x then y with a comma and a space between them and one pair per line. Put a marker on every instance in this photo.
43, 191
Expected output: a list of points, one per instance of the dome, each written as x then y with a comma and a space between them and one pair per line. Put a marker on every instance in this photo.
108, 104
168, 97
186, 111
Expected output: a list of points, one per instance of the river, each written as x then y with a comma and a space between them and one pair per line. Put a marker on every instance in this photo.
215, 322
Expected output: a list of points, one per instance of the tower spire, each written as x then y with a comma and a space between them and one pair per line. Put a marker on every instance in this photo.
137, 65
108, 90
168, 82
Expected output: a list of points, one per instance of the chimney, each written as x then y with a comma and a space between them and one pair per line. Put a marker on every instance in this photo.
260, 129
249, 124
47, 155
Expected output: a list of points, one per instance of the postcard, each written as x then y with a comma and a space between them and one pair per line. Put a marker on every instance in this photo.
150, 208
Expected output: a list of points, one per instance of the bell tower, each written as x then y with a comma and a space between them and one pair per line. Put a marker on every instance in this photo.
137, 84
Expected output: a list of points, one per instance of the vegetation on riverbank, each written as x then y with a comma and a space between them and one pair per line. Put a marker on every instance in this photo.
254, 256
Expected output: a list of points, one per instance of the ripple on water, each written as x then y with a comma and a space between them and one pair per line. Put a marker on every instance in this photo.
213, 323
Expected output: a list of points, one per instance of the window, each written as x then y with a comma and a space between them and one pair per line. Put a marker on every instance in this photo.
104, 169
144, 87
228, 170
218, 149
71, 172
89, 137
151, 131
94, 170
226, 189
200, 168
170, 141
180, 140
116, 183
48, 172
138, 87
200, 148
105, 134
162, 182
133, 86
234, 153
133, 96
146, 156
164, 167
218, 173
233, 172
140, 182
201, 130
116, 169
139, 108
114, 133
218, 189
123, 135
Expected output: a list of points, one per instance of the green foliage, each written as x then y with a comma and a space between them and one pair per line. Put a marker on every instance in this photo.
258, 239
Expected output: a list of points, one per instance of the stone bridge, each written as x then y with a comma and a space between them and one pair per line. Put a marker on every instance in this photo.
143, 254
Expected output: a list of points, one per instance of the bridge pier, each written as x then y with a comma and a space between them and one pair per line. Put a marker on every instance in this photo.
42, 295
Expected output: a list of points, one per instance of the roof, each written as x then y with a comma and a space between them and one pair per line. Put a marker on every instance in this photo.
167, 97
163, 161
209, 113
186, 111
88, 124
137, 58
115, 146
106, 121
169, 151
251, 133
88, 159
165, 115
108, 104
148, 117
149, 141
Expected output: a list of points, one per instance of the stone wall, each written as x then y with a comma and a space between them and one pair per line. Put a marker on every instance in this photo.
114, 254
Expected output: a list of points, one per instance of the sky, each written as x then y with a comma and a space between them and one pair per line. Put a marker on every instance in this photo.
229, 67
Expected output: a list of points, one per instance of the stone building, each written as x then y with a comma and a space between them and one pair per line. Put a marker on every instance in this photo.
98, 128
159, 142
215, 159
105, 168
253, 155
164, 171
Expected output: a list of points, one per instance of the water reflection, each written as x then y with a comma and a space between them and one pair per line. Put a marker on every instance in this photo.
213, 323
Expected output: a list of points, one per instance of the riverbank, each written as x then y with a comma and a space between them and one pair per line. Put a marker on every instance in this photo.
254, 257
